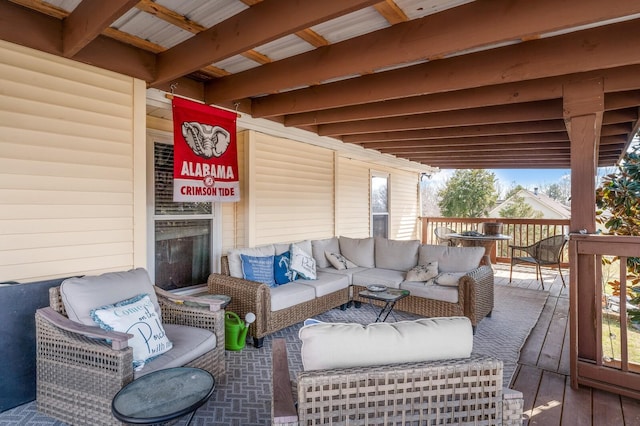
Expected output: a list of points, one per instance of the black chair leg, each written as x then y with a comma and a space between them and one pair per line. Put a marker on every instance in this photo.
258, 342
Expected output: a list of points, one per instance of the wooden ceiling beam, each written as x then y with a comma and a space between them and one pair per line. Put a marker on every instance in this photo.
551, 146
478, 140
264, 22
88, 20
589, 50
476, 24
461, 131
532, 111
558, 152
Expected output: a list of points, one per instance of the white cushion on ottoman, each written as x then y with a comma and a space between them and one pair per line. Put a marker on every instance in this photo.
341, 345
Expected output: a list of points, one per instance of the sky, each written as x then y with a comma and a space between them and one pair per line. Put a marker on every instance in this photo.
529, 178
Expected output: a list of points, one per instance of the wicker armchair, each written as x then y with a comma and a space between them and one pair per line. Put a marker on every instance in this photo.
441, 233
78, 372
546, 252
461, 391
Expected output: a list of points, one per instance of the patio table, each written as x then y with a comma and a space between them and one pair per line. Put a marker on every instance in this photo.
479, 240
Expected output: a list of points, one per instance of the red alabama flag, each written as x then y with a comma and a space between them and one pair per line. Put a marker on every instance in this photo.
205, 155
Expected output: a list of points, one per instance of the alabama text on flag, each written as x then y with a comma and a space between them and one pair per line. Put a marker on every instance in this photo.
205, 155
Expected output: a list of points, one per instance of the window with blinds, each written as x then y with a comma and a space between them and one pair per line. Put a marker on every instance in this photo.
183, 231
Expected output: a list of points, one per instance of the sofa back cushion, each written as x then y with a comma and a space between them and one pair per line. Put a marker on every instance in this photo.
342, 345
235, 261
396, 255
451, 259
358, 250
81, 295
318, 248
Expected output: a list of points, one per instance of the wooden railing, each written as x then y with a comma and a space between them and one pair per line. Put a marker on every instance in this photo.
605, 342
523, 232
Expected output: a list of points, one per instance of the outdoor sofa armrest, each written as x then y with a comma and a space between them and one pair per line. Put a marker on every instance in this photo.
283, 410
119, 340
246, 296
477, 289
174, 311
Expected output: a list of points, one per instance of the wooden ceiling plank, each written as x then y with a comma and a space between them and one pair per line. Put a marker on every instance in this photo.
476, 24
88, 20
312, 37
133, 40
579, 52
253, 27
552, 150
532, 111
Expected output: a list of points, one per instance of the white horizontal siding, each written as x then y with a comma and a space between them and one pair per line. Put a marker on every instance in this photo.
67, 181
292, 190
404, 206
354, 215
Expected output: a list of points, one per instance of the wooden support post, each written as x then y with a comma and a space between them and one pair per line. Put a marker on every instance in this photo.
583, 103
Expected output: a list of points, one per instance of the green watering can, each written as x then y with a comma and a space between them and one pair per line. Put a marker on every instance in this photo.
235, 331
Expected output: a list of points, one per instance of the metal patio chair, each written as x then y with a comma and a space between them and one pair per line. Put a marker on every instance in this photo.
546, 252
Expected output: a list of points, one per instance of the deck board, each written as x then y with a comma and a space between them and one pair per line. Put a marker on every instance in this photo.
543, 369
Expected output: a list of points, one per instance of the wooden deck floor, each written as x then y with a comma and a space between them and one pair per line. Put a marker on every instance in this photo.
543, 370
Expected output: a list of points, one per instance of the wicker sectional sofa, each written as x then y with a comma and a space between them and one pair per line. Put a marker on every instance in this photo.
370, 261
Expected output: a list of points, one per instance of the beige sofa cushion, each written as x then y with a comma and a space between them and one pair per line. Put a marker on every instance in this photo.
318, 247
341, 345
430, 290
451, 259
286, 295
396, 254
358, 250
387, 277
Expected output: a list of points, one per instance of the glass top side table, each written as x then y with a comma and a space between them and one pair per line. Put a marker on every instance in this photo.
163, 395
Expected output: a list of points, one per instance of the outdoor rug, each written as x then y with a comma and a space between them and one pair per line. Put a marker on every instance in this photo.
243, 397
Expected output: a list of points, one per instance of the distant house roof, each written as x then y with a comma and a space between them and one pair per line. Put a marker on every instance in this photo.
550, 208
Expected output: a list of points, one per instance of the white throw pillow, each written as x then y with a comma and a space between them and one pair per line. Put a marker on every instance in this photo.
341, 345
338, 261
303, 263
449, 279
136, 316
423, 272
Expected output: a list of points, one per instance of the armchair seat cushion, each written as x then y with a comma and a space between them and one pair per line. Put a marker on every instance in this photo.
189, 343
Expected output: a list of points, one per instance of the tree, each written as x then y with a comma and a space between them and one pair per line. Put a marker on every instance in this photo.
517, 207
618, 201
559, 191
468, 193
513, 191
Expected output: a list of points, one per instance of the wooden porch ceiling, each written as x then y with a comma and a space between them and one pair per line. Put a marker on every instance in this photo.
446, 83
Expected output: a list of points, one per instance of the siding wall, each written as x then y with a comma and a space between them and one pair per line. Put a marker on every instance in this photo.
290, 190
353, 188
71, 137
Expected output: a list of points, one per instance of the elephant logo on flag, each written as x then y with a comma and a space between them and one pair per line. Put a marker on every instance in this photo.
206, 140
